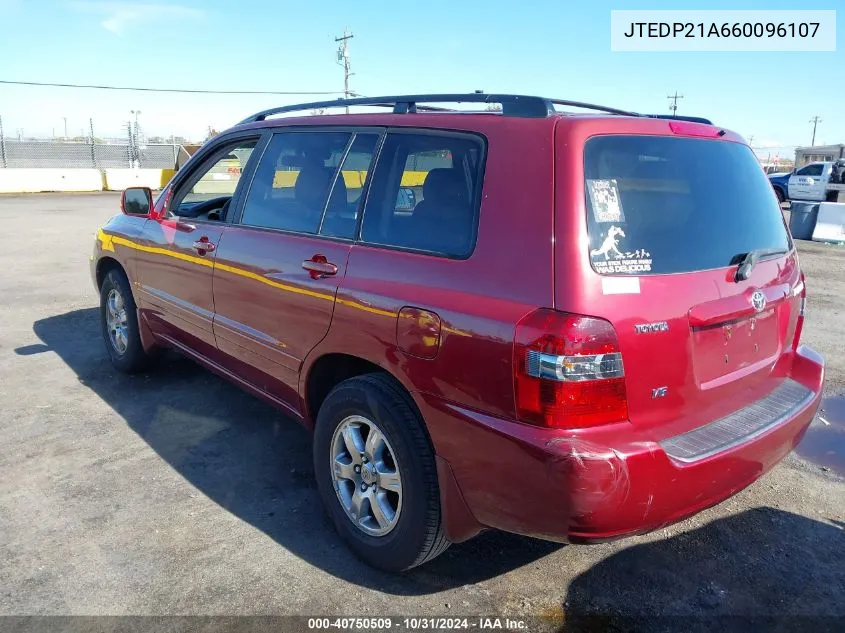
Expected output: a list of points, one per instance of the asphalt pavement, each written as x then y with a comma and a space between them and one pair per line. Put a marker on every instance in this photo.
174, 493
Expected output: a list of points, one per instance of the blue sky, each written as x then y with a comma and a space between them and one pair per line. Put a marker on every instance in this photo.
559, 49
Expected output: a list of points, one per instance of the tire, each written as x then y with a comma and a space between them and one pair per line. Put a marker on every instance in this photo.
415, 535
125, 350
780, 196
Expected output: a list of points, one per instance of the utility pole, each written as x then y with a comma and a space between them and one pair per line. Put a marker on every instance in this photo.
751, 140
137, 128
2, 145
93, 152
815, 121
674, 107
65, 120
343, 59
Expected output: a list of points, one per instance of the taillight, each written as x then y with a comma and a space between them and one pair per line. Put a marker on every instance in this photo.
568, 371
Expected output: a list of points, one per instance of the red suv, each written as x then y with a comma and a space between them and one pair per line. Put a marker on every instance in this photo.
565, 325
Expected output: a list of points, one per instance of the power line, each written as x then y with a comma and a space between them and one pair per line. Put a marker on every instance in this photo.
182, 90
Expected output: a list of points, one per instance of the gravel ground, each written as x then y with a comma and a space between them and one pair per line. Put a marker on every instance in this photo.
174, 493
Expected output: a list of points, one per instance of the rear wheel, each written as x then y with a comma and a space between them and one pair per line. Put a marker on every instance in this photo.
119, 323
376, 474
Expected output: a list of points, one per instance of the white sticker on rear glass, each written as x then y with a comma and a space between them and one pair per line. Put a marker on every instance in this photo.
620, 285
612, 257
604, 198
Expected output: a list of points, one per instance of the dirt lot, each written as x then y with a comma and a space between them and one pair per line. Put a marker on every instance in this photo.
176, 493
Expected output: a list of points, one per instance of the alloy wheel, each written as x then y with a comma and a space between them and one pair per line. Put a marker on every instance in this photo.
116, 321
366, 475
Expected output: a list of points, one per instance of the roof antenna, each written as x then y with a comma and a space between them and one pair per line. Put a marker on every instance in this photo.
479, 92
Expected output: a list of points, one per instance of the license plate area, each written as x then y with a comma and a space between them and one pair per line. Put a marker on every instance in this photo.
726, 348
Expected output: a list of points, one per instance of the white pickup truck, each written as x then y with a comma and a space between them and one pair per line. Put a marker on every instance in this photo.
811, 182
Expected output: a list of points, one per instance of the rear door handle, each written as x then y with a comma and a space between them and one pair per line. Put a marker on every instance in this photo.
203, 246
319, 267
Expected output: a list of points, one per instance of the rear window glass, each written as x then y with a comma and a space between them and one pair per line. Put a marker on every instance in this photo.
659, 205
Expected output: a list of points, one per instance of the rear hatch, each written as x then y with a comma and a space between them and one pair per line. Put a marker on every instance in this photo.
669, 220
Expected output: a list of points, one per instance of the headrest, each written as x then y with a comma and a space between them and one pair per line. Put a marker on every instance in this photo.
444, 186
312, 185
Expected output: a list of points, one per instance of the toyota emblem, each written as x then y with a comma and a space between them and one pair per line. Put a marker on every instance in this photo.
758, 300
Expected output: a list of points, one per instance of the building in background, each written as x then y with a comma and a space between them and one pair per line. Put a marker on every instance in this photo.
818, 154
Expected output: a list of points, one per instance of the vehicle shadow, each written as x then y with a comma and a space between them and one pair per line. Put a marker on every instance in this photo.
252, 460
761, 570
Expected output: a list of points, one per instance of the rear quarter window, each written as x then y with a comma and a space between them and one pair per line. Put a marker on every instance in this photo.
424, 193
658, 205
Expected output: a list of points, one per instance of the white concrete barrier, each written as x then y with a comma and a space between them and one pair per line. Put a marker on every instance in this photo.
830, 225
19, 180
120, 179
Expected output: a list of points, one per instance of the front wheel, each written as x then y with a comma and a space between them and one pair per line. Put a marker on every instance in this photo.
376, 473
119, 323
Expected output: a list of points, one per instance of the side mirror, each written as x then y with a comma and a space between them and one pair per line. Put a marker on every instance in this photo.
137, 201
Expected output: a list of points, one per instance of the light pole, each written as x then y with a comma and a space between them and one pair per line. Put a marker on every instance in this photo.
137, 127
134, 136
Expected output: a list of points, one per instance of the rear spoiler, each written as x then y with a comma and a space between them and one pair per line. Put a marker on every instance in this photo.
691, 119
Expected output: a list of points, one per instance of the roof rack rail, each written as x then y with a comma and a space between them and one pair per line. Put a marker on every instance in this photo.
512, 105
592, 106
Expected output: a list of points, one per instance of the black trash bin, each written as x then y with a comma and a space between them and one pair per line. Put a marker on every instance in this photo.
802, 221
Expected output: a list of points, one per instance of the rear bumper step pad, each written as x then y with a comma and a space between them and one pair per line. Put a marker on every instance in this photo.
781, 405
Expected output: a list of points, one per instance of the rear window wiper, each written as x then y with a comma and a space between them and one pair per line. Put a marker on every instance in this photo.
746, 264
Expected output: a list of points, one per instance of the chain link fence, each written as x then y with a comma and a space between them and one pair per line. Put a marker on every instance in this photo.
90, 152
18, 153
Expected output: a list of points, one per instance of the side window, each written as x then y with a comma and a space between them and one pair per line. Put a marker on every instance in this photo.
290, 189
423, 194
810, 170
211, 187
341, 218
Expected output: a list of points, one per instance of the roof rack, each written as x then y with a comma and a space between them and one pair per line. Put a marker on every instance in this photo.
512, 105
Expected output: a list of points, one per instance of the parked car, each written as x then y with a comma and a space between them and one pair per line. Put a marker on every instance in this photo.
572, 334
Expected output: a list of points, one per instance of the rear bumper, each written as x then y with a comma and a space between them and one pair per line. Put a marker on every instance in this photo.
602, 484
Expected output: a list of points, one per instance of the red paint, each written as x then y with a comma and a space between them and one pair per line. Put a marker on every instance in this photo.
175, 292
272, 312
266, 306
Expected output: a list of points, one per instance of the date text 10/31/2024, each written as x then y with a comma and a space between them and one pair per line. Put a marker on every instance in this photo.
415, 624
